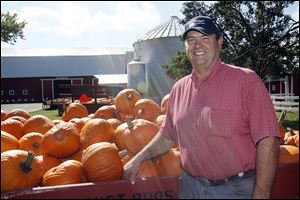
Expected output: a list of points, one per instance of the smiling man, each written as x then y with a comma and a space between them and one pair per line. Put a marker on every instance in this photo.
224, 122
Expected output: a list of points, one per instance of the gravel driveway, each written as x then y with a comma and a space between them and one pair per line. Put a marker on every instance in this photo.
29, 107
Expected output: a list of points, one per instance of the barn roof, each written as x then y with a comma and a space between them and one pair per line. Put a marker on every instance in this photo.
13, 52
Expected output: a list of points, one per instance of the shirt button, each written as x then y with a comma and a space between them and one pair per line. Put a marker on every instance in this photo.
195, 124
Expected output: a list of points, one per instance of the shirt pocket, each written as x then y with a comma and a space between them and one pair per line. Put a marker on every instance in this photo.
221, 122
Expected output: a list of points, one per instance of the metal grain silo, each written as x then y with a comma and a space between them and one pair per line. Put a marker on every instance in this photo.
156, 48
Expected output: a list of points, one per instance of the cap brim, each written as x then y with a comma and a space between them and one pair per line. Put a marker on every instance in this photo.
193, 29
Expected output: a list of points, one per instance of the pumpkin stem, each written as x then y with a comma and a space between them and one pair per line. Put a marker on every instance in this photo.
58, 135
140, 112
36, 145
129, 122
26, 165
282, 116
123, 153
116, 114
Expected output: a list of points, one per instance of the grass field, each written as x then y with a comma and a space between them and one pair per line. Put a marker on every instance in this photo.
51, 114
291, 119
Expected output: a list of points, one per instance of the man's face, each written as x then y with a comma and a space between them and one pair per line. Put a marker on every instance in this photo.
202, 51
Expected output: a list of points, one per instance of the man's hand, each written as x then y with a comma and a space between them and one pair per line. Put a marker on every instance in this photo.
131, 169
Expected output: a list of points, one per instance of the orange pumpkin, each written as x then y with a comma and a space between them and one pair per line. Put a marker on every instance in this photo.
146, 109
101, 162
169, 163
75, 156
32, 141
125, 156
62, 140
126, 99
139, 133
18, 112
148, 169
106, 112
47, 162
288, 154
68, 172
119, 136
18, 118
291, 137
96, 130
80, 122
8, 142
57, 121
3, 115
74, 110
164, 104
19, 170
114, 123
38, 123
13, 127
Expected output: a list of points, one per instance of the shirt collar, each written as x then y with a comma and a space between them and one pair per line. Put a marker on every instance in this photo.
210, 76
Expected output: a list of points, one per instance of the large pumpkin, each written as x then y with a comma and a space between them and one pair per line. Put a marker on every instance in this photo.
48, 162
74, 110
146, 109
68, 172
62, 140
114, 123
119, 136
8, 142
169, 163
32, 141
96, 130
126, 99
80, 122
19, 118
75, 156
288, 154
101, 162
138, 134
38, 123
19, 170
148, 169
106, 112
13, 127
18, 112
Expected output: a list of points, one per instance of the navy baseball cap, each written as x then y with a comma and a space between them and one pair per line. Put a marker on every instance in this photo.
202, 24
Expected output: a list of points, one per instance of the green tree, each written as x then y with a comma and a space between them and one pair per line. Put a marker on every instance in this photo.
11, 29
257, 35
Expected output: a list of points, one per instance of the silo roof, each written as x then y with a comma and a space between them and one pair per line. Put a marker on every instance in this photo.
170, 28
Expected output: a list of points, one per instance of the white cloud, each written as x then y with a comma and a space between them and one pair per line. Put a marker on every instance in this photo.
72, 20
295, 14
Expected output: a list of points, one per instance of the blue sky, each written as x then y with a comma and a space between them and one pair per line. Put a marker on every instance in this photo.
92, 24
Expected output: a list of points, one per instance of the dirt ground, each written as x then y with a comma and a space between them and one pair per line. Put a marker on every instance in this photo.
29, 107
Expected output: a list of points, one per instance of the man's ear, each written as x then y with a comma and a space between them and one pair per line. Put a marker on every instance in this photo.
220, 42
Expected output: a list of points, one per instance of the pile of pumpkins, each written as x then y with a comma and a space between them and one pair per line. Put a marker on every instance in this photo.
82, 147
289, 143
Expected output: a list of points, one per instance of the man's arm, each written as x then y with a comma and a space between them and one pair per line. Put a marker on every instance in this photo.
266, 165
158, 145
